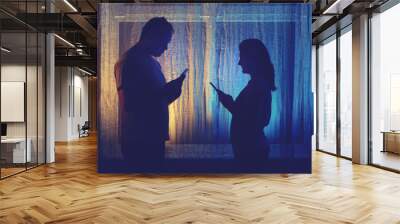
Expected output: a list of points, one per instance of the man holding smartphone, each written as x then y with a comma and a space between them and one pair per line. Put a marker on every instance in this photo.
144, 96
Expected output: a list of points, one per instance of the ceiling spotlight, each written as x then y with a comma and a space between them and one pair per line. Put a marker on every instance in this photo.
5, 50
65, 41
84, 71
337, 7
70, 5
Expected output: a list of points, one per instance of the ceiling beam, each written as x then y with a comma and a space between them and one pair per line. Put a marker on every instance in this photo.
337, 6
86, 27
82, 61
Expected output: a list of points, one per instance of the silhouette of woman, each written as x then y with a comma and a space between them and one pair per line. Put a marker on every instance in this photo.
251, 110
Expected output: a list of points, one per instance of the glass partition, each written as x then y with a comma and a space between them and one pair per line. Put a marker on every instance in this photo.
14, 154
31, 98
41, 97
22, 88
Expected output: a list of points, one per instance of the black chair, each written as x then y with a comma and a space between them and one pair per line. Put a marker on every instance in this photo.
84, 130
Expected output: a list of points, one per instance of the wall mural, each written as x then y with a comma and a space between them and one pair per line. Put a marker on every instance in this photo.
205, 88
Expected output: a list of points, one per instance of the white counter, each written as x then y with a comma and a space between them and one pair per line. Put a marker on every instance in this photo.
18, 149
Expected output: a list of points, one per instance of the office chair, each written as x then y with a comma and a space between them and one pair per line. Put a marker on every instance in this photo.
84, 130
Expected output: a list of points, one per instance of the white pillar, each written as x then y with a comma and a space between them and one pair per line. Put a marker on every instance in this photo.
50, 91
360, 90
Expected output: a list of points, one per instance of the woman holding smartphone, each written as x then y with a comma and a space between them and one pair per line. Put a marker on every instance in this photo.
251, 110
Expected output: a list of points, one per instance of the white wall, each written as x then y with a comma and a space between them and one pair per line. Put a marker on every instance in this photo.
71, 102
80, 110
61, 103
13, 72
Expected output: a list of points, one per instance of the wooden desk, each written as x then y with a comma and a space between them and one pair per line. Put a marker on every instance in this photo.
13, 150
391, 141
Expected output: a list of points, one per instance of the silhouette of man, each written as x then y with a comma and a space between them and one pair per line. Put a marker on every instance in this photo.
144, 96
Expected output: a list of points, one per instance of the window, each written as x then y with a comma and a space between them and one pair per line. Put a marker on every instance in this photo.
346, 93
327, 96
385, 89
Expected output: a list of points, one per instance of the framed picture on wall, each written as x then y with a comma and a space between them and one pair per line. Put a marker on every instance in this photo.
205, 88
12, 101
